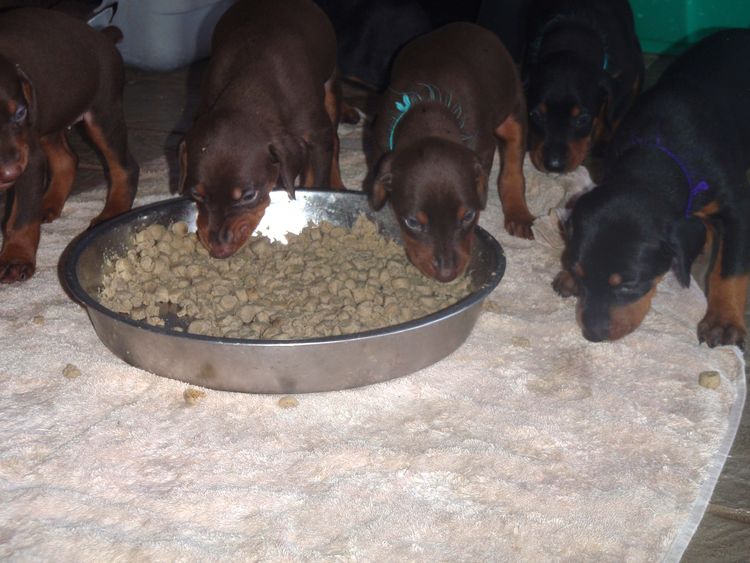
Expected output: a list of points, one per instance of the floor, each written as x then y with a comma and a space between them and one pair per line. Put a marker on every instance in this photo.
158, 109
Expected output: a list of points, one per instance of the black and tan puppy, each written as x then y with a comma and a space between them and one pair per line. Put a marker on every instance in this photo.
268, 114
678, 178
582, 70
54, 72
454, 95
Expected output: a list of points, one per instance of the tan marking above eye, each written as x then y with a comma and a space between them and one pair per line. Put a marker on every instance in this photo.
200, 190
12, 107
421, 216
615, 279
236, 194
461, 212
578, 270
575, 111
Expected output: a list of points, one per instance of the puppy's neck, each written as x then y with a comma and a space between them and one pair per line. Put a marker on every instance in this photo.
429, 118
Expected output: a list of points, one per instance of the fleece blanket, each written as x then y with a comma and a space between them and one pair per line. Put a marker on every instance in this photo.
526, 444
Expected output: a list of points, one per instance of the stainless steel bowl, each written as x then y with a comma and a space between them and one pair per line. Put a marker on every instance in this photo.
276, 366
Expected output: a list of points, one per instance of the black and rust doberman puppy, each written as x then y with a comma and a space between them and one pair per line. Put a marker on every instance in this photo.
54, 72
269, 113
678, 180
454, 96
582, 70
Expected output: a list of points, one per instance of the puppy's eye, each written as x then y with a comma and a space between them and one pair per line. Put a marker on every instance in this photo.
537, 116
195, 195
468, 217
631, 288
249, 197
582, 120
20, 114
413, 224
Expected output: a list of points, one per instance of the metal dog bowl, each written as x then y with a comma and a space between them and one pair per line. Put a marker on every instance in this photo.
276, 366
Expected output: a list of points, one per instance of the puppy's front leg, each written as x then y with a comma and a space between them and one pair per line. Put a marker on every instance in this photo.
510, 183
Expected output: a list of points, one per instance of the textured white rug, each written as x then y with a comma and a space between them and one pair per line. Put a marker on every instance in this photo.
528, 443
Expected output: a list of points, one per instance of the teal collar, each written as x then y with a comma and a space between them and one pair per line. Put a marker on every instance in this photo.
409, 99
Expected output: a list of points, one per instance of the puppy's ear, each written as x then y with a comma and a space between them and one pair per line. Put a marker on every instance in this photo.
29, 93
686, 240
291, 156
607, 101
381, 186
481, 181
182, 160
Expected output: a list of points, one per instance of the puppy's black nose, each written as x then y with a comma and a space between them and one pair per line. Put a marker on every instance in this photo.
595, 326
554, 162
594, 335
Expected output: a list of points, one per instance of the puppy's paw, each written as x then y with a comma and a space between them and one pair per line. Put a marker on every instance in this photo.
519, 225
16, 270
565, 284
349, 114
720, 330
50, 213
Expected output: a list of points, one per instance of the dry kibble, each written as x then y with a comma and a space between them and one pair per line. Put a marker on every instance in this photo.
327, 280
192, 396
492, 307
288, 402
38, 319
71, 372
180, 228
709, 379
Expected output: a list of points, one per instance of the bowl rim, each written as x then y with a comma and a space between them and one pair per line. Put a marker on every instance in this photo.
73, 285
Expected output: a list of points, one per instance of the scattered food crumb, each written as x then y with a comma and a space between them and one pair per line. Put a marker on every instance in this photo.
192, 395
38, 320
492, 307
521, 341
71, 372
288, 402
709, 379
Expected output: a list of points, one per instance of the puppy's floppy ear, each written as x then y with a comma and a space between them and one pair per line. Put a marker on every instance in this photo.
290, 153
29, 93
381, 186
607, 100
481, 180
182, 160
686, 239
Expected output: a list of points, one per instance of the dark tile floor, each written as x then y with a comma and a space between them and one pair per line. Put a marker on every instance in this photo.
158, 108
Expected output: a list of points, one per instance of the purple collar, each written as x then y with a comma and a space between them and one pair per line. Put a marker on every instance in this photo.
695, 188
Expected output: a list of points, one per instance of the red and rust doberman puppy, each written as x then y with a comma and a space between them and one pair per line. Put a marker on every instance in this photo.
582, 70
677, 181
54, 72
269, 113
454, 96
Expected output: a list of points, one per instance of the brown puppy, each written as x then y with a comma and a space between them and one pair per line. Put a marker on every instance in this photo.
269, 113
55, 71
454, 94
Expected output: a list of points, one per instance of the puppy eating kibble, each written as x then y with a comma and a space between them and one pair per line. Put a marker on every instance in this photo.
268, 114
677, 182
454, 94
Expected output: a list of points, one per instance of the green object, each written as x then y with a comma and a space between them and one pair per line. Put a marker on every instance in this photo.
670, 26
